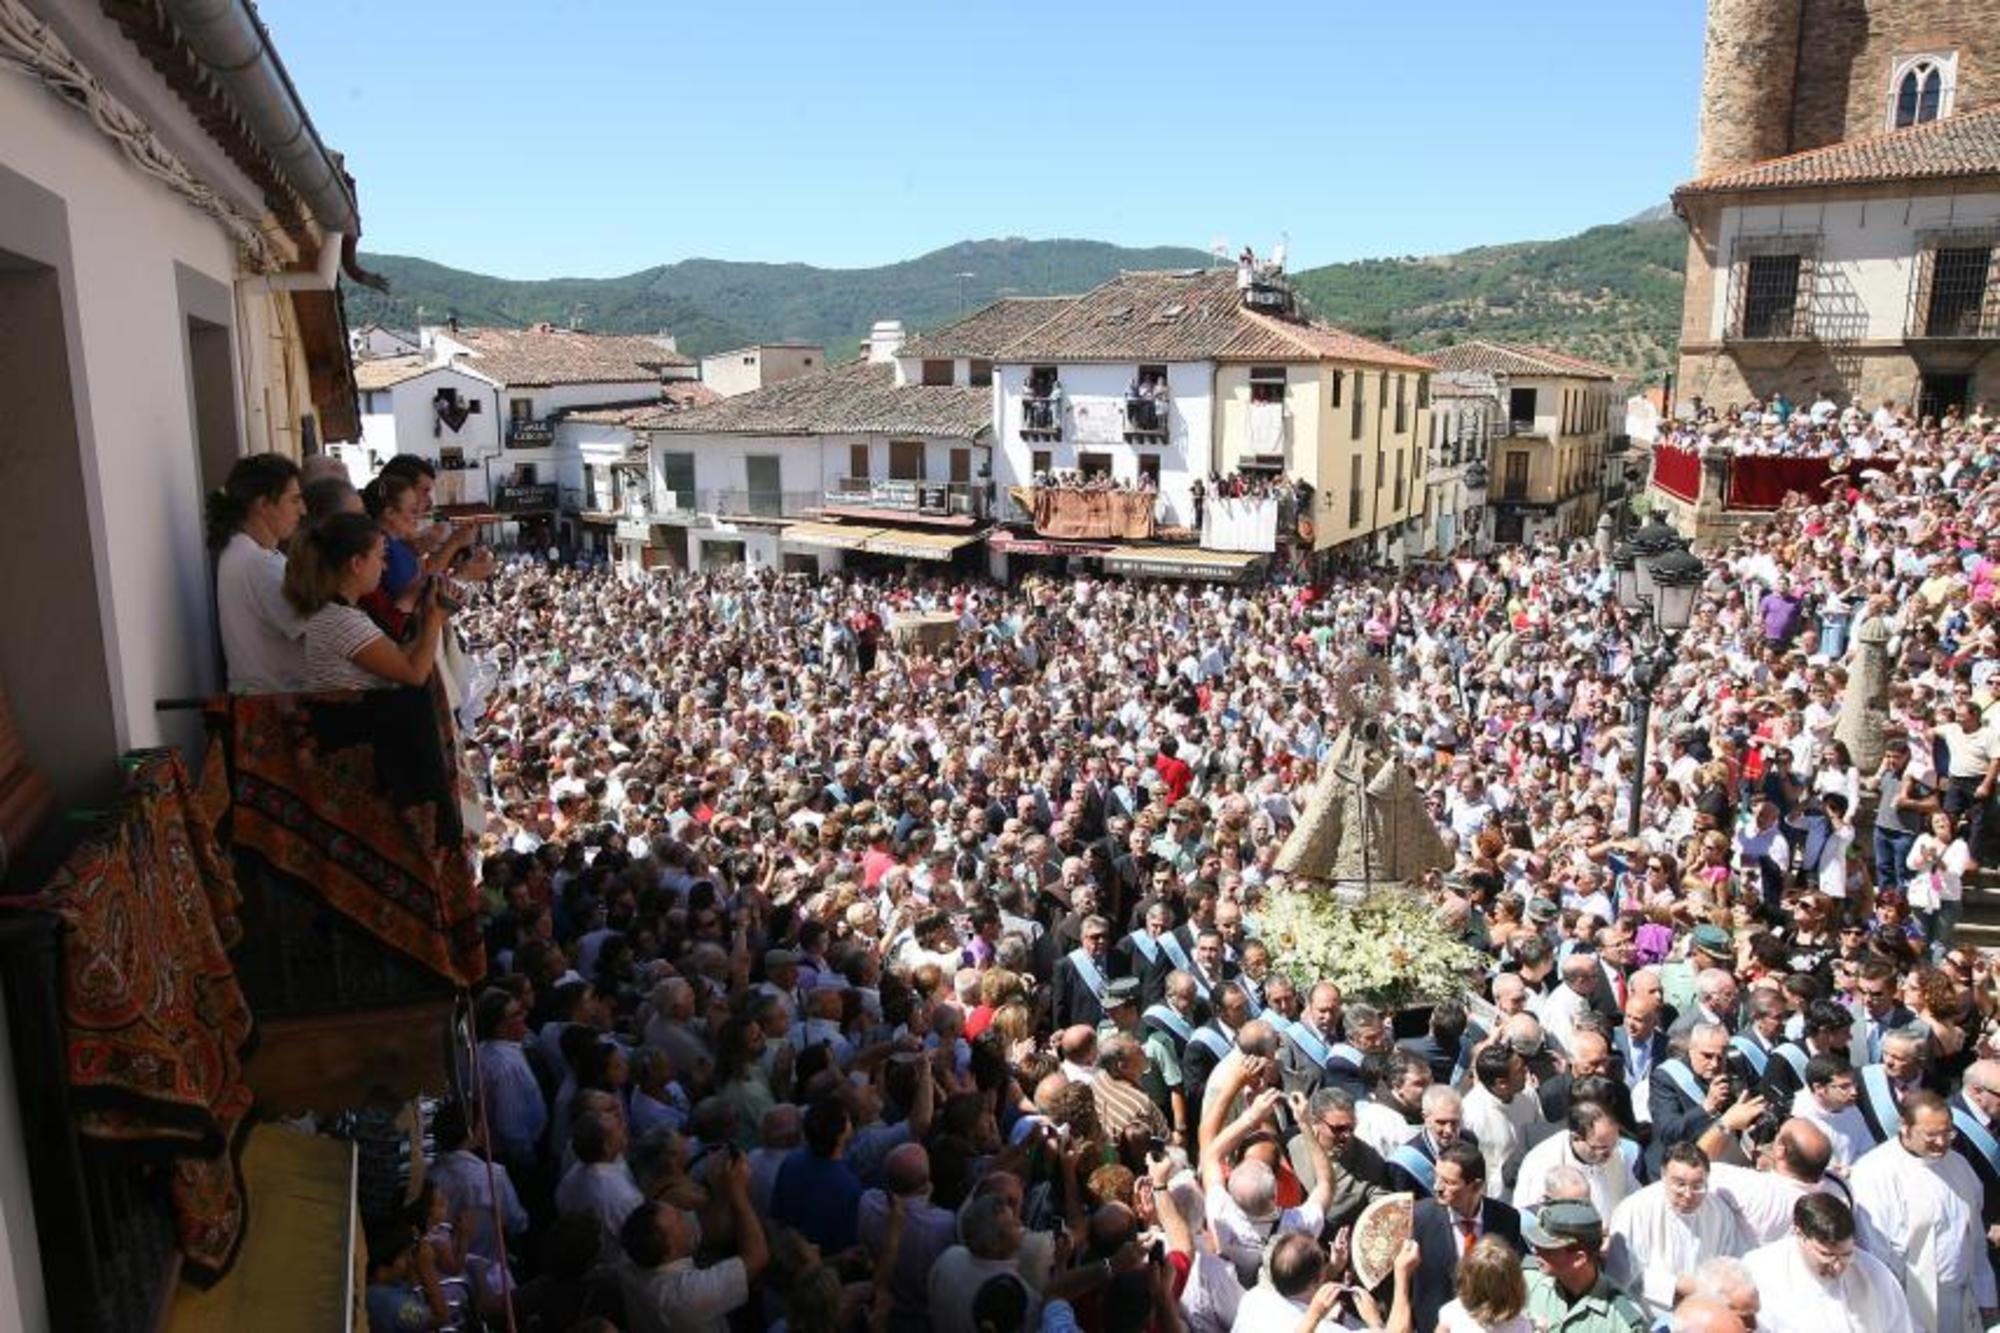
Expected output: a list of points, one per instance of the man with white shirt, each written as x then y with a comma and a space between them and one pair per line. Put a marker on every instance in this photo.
1281, 1302
1793, 1165
1590, 1144
1827, 1100
1821, 1281
1501, 1114
600, 1183
1918, 1206
1666, 1230
1394, 1114
1581, 975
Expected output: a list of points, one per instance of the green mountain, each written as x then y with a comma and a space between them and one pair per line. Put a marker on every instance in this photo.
1612, 293
711, 305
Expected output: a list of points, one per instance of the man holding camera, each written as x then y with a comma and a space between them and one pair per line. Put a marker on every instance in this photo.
1704, 1099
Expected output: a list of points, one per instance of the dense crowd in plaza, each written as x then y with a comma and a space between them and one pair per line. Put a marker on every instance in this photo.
843, 980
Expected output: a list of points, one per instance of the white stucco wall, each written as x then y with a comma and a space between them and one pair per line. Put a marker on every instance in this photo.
1867, 257
1094, 417
126, 235
411, 426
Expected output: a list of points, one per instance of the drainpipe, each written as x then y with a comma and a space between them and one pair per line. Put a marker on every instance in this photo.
322, 277
230, 41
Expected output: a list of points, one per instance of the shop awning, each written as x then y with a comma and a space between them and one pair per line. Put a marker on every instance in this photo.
1180, 562
829, 536
913, 545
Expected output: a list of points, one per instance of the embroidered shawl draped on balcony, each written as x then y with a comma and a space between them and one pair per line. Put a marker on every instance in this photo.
156, 1024
354, 796
1123, 515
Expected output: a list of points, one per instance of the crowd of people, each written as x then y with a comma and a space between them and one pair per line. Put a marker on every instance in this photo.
922, 986
1819, 428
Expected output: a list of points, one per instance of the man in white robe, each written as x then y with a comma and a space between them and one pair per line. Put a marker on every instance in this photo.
1829, 1103
1660, 1235
1819, 1280
1919, 1210
1503, 1114
1793, 1166
1590, 1144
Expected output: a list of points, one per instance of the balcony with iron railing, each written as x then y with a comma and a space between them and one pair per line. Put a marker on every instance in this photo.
1041, 417
961, 502
1146, 419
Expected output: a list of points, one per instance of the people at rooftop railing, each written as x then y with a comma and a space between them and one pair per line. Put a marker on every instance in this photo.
250, 519
830, 894
1071, 479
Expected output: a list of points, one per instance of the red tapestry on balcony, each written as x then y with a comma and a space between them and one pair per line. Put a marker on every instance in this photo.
355, 796
1087, 515
1758, 481
157, 1025
1677, 472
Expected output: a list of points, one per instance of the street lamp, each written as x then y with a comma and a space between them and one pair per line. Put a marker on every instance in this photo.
1624, 568
1649, 544
1657, 576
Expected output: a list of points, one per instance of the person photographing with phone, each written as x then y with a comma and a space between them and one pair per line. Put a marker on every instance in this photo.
337, 564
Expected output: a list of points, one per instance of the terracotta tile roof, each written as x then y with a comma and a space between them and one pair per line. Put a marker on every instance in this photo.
988, 329
385, 372
857, 398
543, 356
1517, 359
1187, 315
1964, 144
675, 396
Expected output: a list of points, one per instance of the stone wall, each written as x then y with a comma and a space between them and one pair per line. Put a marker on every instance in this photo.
1747, 68
1721, 376
1849, 50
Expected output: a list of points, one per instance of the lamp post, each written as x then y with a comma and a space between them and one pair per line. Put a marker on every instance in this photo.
1657, 576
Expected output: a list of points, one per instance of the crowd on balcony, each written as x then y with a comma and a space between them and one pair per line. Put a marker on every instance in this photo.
895, 984
1819, 426
1072, 479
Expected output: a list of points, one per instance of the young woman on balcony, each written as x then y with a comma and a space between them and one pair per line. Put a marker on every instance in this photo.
336, 565
250, 518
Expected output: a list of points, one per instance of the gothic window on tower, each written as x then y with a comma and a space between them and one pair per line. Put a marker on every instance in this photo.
1920, 89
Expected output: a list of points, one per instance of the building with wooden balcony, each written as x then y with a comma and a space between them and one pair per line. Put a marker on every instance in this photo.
1844, 225
1160, 380
1551, 416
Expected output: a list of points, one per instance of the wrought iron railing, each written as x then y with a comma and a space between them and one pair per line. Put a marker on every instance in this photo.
1041, 417
748, 503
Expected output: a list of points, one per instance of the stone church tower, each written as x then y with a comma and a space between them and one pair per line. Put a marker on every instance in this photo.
1785, 76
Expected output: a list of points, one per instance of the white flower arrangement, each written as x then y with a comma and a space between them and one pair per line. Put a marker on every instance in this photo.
1387, 948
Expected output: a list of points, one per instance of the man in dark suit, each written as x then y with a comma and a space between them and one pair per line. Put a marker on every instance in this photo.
1698, 1100
1879, 1011
1447, 1225
1902, 1070
1639, 1045
1082, 976
1145, 955
1447, 1046
1975, 1118
1590, 1059
1829, 1030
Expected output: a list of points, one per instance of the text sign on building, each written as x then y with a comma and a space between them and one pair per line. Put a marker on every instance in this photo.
635, 530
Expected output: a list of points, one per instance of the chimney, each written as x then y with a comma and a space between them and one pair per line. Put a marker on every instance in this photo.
884, 340
667, 340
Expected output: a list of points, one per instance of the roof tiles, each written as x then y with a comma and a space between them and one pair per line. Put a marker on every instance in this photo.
1964, 144
858, 398
543, 356
1517, 359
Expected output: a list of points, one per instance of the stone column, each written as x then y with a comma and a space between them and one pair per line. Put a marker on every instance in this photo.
1863, 722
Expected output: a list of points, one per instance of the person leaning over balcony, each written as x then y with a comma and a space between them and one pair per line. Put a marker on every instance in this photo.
250, 517
336, 565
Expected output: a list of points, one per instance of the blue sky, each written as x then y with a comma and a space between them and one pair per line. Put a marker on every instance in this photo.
542, 138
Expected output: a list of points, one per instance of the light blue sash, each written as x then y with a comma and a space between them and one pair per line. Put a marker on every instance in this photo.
1794, 1055
1759, 1058
1086, 967
1881, 1100
1351, 1054
1980, 1136
1421, 1167
1171, 1021
1256, 1001
1309, 1042
1172, 945
1148, 947
1683, 1078
1629, 1150
1214, 1041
